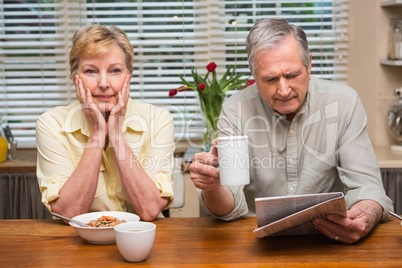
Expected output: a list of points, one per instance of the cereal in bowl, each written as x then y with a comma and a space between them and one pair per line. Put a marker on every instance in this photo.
105, 221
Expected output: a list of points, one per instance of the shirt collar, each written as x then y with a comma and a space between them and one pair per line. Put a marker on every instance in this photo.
305, 104
75, 120
135, 118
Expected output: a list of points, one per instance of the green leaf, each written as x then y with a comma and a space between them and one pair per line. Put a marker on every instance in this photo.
190, 85
223, 82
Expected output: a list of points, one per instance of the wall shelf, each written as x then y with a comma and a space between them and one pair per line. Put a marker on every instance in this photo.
391, 3
391, 62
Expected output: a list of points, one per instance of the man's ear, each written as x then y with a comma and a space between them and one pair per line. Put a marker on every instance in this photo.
309, 66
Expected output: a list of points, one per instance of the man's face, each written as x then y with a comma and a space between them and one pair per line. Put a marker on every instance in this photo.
281, 77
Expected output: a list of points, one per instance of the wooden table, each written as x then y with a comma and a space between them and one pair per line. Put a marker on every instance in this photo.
196, 242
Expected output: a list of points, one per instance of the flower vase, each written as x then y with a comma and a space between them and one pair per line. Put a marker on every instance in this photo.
209, 135
211, 113
207, 140
211, 93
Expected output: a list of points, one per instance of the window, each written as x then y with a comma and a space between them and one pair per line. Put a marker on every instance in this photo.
169, 38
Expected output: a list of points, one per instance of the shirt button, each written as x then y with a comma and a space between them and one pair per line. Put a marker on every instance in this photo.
291, 188
292, 132
118, 209
111, 187
291, 160
53, 181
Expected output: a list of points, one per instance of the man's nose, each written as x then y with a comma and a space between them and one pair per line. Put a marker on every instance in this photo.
283, 88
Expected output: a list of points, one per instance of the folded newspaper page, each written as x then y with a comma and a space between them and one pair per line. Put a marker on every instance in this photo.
292, 215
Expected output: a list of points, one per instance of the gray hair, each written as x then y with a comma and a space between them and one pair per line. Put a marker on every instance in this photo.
267, 33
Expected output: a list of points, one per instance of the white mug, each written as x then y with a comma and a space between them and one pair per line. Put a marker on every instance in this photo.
233, 157
135, 239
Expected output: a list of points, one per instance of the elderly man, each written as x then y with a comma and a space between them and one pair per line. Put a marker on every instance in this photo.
306, 135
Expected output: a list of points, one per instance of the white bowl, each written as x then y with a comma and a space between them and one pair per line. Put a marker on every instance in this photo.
105, 235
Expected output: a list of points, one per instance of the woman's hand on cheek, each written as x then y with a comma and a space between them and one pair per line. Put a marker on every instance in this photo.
123, 96
117, 115
83, 95
126, 89
94, 117
79, 90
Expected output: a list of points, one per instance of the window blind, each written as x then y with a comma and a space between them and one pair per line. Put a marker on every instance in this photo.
169, 38
34, 67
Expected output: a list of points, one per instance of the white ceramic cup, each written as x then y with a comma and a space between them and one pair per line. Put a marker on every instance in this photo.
135, 239
233, 157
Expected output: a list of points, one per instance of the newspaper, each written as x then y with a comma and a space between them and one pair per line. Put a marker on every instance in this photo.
292, 215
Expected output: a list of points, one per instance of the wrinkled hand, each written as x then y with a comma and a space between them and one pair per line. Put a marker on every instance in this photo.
205, 176
361, 219
95, 119
203, 171
117, 114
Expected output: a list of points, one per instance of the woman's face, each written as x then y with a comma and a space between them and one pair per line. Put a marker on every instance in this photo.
103, 74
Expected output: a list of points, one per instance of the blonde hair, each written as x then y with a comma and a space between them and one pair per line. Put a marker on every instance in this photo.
95, 39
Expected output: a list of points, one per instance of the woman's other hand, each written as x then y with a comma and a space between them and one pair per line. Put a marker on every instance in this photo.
117, 114
96, 121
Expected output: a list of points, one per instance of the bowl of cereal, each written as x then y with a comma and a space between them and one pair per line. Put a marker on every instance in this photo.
101, 224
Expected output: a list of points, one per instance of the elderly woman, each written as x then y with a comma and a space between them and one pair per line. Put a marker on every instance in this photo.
105, 151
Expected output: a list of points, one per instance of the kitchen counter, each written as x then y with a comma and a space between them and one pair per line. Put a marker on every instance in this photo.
25, 162
388, 158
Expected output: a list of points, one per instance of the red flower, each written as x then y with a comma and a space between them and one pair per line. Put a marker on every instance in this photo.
211, 67
249, 83
173, 92
201, 86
